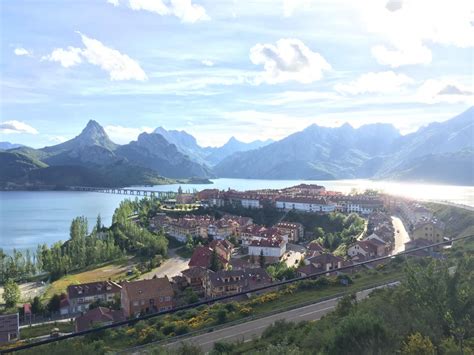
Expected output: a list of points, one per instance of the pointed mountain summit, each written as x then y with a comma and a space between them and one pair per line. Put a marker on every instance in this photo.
92, 135
91, 146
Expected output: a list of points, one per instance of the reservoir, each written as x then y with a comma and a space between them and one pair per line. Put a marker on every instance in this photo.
29, 218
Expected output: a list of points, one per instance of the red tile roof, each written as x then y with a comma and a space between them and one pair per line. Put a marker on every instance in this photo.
96, 316
202, 257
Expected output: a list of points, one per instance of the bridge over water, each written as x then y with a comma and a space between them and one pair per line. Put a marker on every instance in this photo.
126, 191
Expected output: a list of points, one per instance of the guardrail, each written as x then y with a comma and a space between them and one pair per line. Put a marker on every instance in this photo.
222, 298
259, 316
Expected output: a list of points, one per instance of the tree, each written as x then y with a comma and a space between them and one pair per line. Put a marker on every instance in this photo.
37, 306
417, 344
54, 303
318, 233
98, 224
11, 293
261, 259
216, 265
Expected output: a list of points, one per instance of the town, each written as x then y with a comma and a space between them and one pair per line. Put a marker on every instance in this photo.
229, 253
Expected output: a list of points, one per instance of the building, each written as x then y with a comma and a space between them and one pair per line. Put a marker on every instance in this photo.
318, 263
98, 317
9, 328
314, 247
196, 279
202, 256
362, 205
271, 248
193, 226
229, 282
81, 296
220, 230
381, 245
225, 282
363, 249
325, 262
223, 248
305, 204
432, 230
147, 296
294, 231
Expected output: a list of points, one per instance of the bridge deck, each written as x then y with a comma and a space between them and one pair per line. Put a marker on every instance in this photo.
126, 191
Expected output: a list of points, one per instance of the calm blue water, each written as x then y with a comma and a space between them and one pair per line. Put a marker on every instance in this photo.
30, 218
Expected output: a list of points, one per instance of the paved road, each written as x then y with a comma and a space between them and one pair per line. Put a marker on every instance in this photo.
247, 331
170, 267
401, 235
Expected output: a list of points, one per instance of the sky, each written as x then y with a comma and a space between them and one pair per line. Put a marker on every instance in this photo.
253, 69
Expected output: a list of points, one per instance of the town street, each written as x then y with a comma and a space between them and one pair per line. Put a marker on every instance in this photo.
249, 330
401, 235
170, 267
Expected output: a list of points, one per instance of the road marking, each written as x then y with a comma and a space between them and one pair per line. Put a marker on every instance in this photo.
253, 329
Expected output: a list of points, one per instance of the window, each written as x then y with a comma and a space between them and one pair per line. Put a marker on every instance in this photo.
135, 303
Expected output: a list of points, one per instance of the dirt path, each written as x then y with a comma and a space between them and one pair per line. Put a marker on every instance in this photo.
170, 267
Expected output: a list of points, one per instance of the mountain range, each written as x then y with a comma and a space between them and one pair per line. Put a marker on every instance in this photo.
440, 152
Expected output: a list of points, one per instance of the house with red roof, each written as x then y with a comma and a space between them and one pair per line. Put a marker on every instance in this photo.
98, 317
202, 257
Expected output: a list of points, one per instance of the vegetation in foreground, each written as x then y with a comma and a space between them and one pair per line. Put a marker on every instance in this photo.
432, 312
206, 317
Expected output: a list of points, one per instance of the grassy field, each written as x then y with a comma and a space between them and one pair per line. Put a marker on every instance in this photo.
305, 296
45, 329
112, 271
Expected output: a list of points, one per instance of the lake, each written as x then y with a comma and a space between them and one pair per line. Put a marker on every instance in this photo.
30, 218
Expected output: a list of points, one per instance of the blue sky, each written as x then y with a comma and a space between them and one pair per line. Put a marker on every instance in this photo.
250, 69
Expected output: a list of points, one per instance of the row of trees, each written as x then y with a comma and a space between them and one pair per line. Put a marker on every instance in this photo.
128, 234
18, 265
81, 250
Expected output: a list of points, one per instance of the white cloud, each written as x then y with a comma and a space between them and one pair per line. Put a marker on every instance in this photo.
409, 26
67, 57
289, 59
207, 62
57, 139
113, 2
9, 127
382, 82
185, 10
444, 91
124, 135
289, 6
404, 55
21, 52
119, 66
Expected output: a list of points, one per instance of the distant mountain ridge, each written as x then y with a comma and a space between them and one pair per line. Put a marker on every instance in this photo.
371, 151
92, 159
211, 156
440, 152
8, 145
